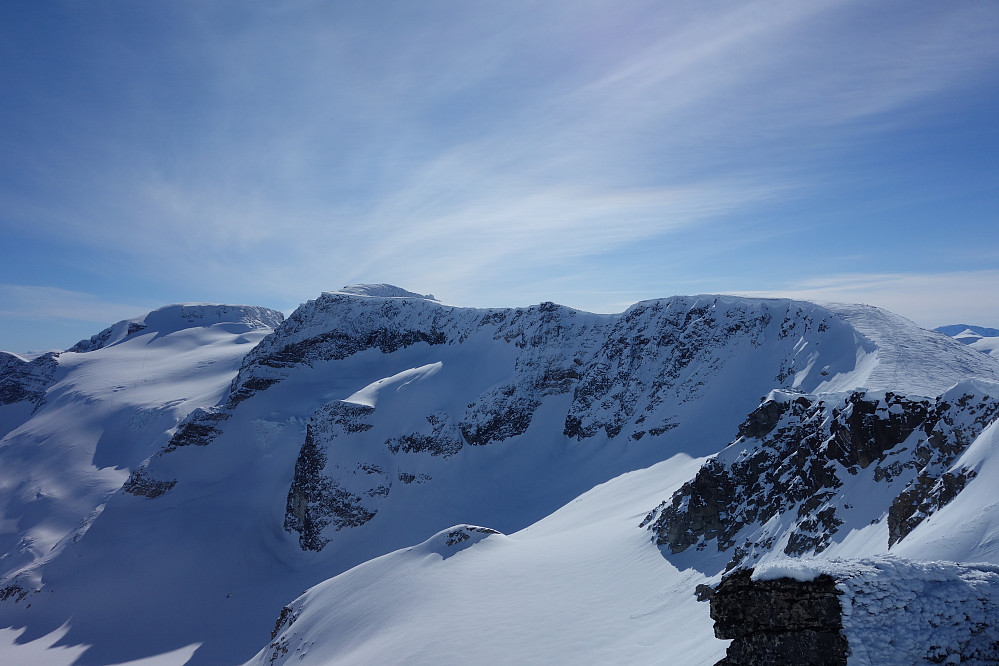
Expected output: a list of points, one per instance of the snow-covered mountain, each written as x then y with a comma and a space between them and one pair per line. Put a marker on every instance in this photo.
74, 424
985, 340
569, 479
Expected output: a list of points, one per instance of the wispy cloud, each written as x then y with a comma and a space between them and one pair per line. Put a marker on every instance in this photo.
929, 299
448, 146
35, 303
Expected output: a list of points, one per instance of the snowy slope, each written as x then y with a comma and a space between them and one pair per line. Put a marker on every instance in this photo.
910, 360
966, 529
581, 586
122, 392
373, 419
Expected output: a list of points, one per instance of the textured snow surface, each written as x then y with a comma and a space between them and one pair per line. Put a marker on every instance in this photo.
174, 318
910, 360
368, 396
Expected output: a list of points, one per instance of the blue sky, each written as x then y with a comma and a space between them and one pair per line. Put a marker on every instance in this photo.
496, 154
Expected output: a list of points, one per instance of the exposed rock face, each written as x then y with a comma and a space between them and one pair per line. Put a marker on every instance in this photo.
782, 481
621, 370
102, 339
962, 417
26, 381
334, 327
461, 533
444, 439
320, 497
279, 646
199, 428
13, 591
664, 352
780, 621
140, 483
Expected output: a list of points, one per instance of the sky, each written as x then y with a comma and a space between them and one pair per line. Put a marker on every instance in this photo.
592, 153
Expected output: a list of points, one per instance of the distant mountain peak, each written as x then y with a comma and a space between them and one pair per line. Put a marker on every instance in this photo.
382, 291
979, 338
180, 316
967, 330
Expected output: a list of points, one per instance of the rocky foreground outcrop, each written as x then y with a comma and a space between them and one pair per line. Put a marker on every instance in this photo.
780, 621
884, 612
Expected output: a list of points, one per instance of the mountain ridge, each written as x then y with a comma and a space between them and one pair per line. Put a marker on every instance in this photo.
363, 424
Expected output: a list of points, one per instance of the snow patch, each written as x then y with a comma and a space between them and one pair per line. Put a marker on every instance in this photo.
368, 396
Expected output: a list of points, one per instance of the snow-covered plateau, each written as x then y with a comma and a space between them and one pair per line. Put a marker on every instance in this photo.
383, 478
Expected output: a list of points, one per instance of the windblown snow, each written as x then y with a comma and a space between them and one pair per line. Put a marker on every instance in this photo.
459, 485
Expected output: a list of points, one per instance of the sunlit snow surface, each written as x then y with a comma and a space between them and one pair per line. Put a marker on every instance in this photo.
368, 396
985, 340
581, 586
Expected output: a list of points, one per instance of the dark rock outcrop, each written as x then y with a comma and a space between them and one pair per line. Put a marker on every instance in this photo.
101, 340
443, 440
316, 500
956, 425
780, 621
324, 495
140, 483
279, 646
26, 381
886, 611
199, 429
795, 454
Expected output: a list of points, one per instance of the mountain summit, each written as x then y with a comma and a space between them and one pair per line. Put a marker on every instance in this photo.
381, 291
182, 316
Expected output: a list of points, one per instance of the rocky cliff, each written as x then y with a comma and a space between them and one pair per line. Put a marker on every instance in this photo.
807, 469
